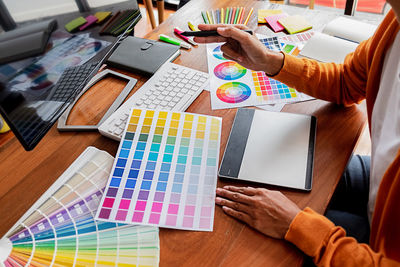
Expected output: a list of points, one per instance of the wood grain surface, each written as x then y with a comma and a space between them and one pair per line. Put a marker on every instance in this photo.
24, 176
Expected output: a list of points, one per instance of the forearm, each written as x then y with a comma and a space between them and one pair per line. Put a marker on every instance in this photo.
319, 238
338, 83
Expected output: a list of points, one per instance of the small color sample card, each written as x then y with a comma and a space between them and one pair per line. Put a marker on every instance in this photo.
165, 171
273, 21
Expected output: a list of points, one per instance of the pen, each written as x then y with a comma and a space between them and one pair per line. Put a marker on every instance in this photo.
206, 33
178, 32
248, 16
173, 41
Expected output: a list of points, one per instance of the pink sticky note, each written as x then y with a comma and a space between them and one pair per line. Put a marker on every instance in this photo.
273, 21
90, 20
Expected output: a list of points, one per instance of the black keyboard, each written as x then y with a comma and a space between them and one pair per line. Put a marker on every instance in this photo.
70, 82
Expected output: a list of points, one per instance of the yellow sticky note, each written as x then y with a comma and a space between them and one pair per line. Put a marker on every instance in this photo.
262, 13
295, 24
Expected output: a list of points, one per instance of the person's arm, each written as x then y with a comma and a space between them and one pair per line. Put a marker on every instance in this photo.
338, 83
328, 244
271, 213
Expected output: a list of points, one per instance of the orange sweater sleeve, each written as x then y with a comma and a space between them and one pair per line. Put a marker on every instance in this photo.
319, 238
338, 83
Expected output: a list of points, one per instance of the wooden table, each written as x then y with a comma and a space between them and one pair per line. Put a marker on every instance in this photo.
24, 176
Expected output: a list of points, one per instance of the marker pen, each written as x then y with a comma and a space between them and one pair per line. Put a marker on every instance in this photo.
178, 32
173, 41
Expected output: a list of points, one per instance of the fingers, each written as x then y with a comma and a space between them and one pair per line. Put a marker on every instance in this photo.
230, 53
250, 191
235, 196
233, 205
238, 215
235, 33
210, 39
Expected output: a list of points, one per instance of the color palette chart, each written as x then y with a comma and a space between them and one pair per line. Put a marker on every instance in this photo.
60, 230
232, 85
165, 173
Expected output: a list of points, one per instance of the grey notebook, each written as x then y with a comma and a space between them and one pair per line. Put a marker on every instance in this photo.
142, 56
272, 148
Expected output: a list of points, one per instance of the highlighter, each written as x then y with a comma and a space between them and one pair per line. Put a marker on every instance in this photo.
178, 32
173, 41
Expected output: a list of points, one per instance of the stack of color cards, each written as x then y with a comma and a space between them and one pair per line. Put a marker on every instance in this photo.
59, 229
165, 172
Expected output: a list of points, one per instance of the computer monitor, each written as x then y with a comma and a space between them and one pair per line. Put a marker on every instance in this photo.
27, 108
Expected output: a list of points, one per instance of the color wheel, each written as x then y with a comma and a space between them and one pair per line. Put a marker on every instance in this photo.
233, 92
218, 53
60, 230
229, 71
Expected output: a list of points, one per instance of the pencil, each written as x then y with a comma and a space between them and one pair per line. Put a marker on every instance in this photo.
204, 15
241, 15
233, 15
222, 16
217, 15
248, 16
236, 15
228, 15
209, 17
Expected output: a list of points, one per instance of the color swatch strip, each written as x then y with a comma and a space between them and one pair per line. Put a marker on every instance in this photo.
166, 171
60, 228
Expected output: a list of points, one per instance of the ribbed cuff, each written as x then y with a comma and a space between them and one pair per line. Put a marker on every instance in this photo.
308, 231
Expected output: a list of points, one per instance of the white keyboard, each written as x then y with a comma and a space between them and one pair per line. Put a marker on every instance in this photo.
172, 87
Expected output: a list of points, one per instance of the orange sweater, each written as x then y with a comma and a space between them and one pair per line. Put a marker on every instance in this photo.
357, 79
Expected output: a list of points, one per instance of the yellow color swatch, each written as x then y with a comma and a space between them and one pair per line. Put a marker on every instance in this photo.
186, 133
201, 127
172, 132
174, 124
187, 125
147, 121
136, 112
161, 122
134, 120
200, 134
202, 119
189, 117
213, 136
145, 129
176, 116
163, 114
149, 113
159, 130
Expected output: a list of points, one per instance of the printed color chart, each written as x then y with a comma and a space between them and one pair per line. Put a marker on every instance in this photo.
268, 89
60, 228
165, 173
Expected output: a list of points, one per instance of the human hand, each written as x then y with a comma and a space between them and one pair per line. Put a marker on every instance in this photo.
269, 212
243, 48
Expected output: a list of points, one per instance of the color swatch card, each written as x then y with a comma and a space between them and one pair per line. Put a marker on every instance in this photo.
165, 172
262, 13
232, 85
300, 39
60, 230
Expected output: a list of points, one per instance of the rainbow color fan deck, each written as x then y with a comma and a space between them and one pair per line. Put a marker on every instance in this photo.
60, 229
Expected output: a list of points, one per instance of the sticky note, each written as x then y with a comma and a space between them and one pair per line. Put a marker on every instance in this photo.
295, 24
273, 21
90, 21
102, 16
262, 13
75, 24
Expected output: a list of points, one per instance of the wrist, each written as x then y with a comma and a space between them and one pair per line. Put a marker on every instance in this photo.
274, 63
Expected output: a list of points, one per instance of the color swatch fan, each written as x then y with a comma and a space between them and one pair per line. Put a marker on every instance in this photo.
60, 230
165, 172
